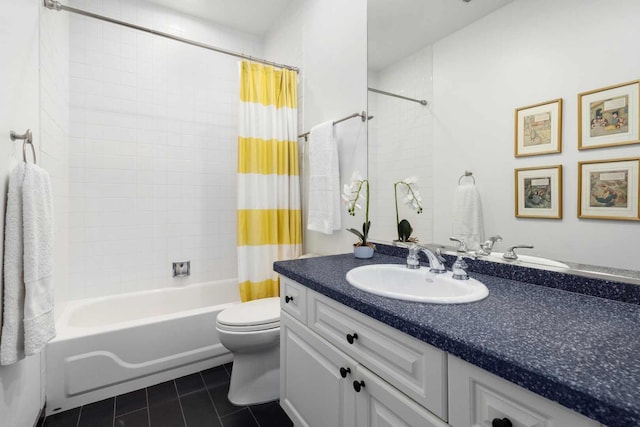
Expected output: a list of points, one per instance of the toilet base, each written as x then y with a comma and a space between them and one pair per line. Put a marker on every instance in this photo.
255, 377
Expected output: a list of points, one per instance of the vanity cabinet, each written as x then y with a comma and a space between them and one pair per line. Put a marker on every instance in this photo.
340, 368
477, 397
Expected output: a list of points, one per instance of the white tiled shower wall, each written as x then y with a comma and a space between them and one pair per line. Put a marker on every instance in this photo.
153, 150
401, 143
53, 139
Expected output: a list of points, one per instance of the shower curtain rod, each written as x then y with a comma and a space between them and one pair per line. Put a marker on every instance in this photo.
56, 5
382, 92
362, 115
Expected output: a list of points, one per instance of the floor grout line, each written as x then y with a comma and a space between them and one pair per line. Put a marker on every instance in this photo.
210, 398
184, 419
254, 416
146, 395
113, 424
79, 415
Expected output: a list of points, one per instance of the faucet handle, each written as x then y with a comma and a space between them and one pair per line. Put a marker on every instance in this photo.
462, 247
511, 255
458, 269
487, 246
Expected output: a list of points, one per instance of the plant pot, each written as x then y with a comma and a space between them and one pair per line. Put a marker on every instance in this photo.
363, 252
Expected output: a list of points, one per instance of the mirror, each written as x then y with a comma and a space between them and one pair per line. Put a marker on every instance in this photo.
476, 62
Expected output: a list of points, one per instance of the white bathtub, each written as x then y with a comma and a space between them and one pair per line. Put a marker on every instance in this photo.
113, 345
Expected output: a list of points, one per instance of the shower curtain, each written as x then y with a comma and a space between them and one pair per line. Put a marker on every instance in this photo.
269, 214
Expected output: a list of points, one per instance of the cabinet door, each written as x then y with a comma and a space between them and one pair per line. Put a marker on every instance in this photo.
379, 404
312, 390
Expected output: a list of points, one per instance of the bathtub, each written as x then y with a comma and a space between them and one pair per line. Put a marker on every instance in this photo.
113, 345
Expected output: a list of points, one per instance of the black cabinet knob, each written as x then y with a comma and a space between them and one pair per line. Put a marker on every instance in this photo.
287, 298
344, 372
351, 338
505, 422
358, 385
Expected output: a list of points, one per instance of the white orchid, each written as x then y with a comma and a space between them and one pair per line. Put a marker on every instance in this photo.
411, 197
409, 193
352, 196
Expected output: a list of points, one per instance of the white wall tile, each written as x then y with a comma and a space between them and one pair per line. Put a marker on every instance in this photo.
148, 128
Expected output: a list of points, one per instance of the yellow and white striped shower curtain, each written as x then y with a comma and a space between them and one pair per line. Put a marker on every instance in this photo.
269, 214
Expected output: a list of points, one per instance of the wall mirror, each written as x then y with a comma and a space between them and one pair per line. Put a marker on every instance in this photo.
475, 62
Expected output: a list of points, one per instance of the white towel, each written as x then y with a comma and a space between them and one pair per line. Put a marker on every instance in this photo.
324, 180
12, 339
28, 295
467, 216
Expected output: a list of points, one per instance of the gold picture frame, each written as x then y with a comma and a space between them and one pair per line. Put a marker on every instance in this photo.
538, 192
538, 129
609, 189
609, 116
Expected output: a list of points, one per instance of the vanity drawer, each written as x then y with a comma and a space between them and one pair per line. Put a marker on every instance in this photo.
412, 366
293, 299
477, 397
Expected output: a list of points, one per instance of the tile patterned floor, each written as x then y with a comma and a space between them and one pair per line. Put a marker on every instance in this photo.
198, 400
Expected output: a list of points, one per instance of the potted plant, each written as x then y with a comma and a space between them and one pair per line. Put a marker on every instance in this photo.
352, 195
410, 197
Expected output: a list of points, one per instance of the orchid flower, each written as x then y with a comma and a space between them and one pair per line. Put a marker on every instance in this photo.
410, 197
352, 195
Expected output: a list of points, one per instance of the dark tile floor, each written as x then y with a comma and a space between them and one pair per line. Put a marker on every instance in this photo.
198, 400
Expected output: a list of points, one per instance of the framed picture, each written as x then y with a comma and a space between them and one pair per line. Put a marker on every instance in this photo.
538, 129
608, 189
609, 116
539, 192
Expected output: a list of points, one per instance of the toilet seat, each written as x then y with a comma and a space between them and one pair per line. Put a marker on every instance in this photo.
257, 315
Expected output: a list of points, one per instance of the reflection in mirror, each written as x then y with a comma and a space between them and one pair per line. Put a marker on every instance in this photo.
476, 63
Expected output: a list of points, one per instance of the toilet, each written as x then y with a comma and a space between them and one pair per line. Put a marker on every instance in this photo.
251, 331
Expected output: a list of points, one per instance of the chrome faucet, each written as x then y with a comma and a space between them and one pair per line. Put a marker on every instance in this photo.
511, 255
436, 261
487, 246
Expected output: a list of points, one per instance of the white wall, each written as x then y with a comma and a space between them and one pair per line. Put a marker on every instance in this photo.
153, 150
21, 387
54, 127
525, 53
401, 144
329, 38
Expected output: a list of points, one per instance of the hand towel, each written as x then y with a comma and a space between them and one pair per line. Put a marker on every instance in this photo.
12, 338
467, 216
28, 322
324, 180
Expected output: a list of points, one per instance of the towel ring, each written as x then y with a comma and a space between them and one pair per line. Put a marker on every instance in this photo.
27, 137
467, 174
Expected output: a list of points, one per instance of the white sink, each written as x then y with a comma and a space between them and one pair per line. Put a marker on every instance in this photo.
531, 259
397, 281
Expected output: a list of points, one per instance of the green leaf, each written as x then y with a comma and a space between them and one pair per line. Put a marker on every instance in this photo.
357, 233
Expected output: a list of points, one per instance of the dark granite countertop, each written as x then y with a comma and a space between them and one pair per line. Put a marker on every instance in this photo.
578, 350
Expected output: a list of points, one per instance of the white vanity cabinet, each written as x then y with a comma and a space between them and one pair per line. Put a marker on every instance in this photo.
340, 368
477, 397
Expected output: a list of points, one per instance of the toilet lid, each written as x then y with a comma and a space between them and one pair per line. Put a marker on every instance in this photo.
264, 311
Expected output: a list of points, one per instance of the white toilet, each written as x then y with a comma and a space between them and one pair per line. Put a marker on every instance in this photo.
251, 331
